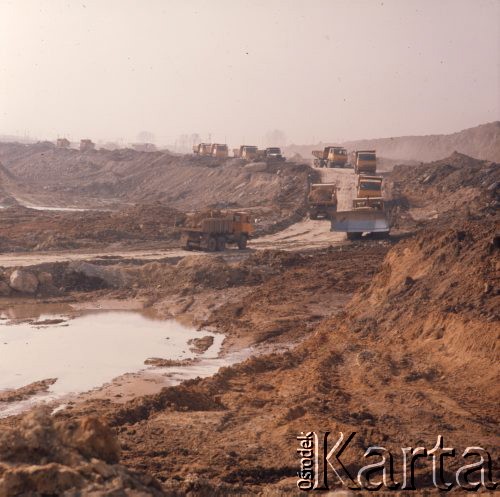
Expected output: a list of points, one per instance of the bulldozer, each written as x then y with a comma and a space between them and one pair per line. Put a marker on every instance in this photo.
215, 233
368, 211
322, 200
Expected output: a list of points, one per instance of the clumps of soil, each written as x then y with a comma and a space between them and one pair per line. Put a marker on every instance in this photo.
26, 282
41, 455
200, 345
167, 363
458, 186
23, 393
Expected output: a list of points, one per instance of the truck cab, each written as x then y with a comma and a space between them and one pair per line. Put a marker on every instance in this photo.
337, 157
273, 153
365, 162
369, 186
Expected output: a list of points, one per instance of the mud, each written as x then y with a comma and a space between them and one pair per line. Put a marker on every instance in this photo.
395, 340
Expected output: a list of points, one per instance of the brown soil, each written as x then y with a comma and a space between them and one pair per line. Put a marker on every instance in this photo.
395, 340
482, 141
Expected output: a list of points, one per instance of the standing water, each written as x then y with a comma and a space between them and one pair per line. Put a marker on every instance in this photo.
89, 350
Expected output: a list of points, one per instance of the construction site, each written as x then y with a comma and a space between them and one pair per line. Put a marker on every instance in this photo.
185, 323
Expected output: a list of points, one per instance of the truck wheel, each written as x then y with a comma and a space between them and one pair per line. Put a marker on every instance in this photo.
242, 243
212, 244
221, 244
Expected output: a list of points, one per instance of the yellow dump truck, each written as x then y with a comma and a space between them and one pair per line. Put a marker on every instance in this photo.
369, 186
322, 200
248, 152
368, 211
364, 161
219, 150
214, 233
330, 157
202, 149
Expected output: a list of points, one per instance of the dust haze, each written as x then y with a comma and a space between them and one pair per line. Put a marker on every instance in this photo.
236, 71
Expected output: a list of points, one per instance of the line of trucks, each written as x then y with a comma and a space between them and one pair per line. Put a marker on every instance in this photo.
362, 161
215, 232
247, 152
368, 211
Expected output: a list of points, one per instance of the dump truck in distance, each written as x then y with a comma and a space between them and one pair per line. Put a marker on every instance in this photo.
273, 154
365, 161
248, 152
214, 233
322, 200
320, 157
219, 150
330, 157
202, 149
369, 186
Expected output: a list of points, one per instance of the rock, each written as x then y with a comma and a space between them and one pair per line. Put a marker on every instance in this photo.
113, 277
23, 281
201, 345
92, 438
4, 289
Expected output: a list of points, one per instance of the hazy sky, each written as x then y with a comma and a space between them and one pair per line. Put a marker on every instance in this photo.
316, 69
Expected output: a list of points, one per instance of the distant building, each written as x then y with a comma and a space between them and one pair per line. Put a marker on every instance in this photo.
62, 143
86, 145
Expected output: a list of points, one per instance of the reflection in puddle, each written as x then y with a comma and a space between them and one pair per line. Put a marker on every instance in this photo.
89, 350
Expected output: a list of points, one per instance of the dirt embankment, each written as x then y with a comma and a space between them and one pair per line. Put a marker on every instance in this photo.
481, 141
446, 190
412, 342
55, 177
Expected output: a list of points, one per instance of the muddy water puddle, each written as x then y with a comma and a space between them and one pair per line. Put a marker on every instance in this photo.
86, 349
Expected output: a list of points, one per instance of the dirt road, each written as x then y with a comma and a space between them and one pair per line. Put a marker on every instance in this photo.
346, 184
315, 234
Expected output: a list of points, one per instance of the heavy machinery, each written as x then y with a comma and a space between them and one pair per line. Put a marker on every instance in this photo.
248, 152
369, 186
368, 211
214, 233
219, 150
365, 161
202, 149
273, 154
322, 200
330, 157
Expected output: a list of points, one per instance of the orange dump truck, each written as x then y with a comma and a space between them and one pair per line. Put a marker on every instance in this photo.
214, 233
322, 200
202, 149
